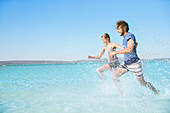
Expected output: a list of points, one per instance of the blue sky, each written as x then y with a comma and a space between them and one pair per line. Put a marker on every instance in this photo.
70, 29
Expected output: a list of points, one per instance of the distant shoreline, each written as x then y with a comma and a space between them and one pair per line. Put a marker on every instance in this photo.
29, 62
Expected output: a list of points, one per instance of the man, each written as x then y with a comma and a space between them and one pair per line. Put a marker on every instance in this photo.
132, 62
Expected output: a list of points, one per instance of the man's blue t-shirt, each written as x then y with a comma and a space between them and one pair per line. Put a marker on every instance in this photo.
132, 57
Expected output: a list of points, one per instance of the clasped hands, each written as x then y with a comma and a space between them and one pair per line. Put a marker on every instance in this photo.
112, 53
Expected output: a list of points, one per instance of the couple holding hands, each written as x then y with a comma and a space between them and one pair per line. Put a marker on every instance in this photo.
131, 63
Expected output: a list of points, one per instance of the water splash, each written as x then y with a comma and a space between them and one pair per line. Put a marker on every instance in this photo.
70, 88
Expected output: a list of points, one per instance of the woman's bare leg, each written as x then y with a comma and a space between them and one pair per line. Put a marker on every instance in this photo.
101, 70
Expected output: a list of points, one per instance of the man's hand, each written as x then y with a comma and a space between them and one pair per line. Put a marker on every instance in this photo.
112, 53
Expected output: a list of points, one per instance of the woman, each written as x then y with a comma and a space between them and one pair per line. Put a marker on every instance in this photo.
112, 60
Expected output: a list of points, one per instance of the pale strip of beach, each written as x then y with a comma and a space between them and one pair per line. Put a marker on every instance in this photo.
30, 62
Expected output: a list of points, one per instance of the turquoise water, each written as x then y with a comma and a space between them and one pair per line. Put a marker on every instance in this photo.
76, 88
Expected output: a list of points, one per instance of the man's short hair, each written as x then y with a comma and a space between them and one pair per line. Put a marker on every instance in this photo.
123, 25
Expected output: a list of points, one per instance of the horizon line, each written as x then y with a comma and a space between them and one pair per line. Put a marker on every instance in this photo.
31, 62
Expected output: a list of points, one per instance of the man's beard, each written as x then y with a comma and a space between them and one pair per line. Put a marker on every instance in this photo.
122, 33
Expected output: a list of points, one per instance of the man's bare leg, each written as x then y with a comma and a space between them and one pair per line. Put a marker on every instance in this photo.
117, 74
147, 84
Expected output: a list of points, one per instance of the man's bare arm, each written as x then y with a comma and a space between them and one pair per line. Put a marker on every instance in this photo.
128, 49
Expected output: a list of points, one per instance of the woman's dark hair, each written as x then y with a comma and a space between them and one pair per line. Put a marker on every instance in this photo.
105, 35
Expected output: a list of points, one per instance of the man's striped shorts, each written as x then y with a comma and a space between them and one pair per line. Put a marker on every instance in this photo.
135, 68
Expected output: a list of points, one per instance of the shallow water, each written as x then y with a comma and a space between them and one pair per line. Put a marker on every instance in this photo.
76, 88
